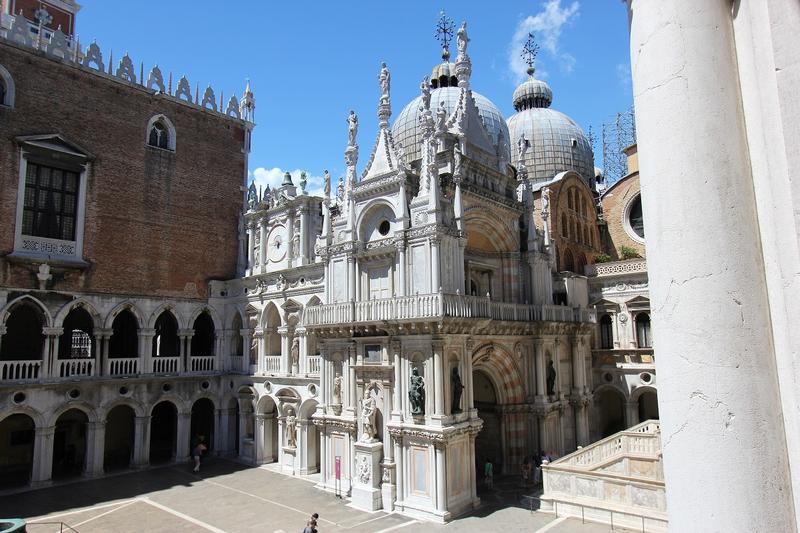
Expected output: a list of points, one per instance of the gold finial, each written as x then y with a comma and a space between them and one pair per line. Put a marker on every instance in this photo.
529, 52
444, 33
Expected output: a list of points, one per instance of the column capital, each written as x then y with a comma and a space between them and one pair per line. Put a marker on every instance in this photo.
53, 332
44, 431
147, 332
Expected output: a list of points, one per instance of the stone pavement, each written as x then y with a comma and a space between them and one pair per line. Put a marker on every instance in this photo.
227, 497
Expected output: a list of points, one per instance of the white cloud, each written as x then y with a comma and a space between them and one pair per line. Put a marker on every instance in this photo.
624, 75
546, 25
274, 177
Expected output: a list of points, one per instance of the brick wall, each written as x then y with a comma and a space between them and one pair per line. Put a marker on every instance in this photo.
157, 222
614, 202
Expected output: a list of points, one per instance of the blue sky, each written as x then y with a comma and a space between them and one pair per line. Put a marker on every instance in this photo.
311, 62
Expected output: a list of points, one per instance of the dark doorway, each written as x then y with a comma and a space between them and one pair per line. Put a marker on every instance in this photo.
69, 444
648, 406
203, 424
17, 433
488, 443
163, 428
612, 412
120, 428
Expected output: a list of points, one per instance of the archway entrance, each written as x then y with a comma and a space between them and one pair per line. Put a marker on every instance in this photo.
648, 406
17, 433
69, 444
203, 424
310, 437
488, 444
268, 440
163, 428
611, 405
120, 427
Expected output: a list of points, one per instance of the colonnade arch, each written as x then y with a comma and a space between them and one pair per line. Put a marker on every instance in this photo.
611, 406
163, 432
119, 438
16, 448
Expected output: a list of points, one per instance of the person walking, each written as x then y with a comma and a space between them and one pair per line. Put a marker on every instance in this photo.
526, 472
311, 526
199, 449
488, 474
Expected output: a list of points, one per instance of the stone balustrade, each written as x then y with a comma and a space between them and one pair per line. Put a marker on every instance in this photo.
616, 268
81, 367
618, 479
20, 370
272, 364
201, 363
314, 363
122, 366
440, 305
166, 365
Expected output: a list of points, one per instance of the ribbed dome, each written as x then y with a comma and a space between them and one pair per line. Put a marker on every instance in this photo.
406, 130
532, 93
556, 144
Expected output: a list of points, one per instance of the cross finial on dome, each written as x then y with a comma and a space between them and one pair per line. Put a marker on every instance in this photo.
444, 33
529, 52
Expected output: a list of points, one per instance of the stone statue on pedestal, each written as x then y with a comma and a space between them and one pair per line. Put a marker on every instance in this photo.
291, 431
416, 393
551, 378
368, 416
337, 389
457, 387
295, 352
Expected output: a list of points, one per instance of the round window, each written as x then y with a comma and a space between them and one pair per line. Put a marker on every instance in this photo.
645, 377
634, 221
19, 397
166, 387
74, 394
384, 227
123, 391
205, 385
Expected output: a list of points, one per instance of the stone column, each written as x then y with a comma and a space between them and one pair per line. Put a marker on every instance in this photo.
631, 413
435, 281
251, 246
262, 267
141, 441
304, 235
146, 350
541, 390
397, 387
438, 376
441, 479
401, 268
351, 278
352, 392
42, 469
302, 361
183, 437
398, 470
95, 448
690, 124
286, 364
258, 439
469, 393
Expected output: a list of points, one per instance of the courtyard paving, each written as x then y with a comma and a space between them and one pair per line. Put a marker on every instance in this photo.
227, 497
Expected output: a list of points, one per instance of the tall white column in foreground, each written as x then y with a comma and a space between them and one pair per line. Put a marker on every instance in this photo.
725, 457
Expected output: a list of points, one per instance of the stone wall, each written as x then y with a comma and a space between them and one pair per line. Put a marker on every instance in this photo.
158, 222
615, 211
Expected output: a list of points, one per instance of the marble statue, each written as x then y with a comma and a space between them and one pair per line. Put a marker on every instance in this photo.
352, 128
457, 388
384, 79
327, 186
291, 431
337, 389
340, 188
551, 378
441, 118
545, 201
522, 148
416, 393
303, 182
462, 39
295, 352
425, 87
368, 416
458, 162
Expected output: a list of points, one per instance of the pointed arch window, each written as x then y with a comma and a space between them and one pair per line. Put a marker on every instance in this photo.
643, 335
6, 88
161, 133
606, 332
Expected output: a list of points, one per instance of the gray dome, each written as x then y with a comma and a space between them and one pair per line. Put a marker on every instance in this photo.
556, 143
406, 130
532, 93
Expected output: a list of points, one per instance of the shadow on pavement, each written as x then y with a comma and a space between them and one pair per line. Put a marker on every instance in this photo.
120, 486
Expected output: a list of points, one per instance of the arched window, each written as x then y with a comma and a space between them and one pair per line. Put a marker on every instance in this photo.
6, 88
569, 262
643, 336
161, 133
166, 341
564, 226
125, 337
23, 339
580, 263
203, 338
571, 199
606, 332
76, 341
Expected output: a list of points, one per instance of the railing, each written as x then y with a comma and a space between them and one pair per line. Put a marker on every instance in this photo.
272, 364
616, 268
122, 366
75, 367
313, 365
166, 365
440, 305
643, 356
201, 363
20, 370
644, 439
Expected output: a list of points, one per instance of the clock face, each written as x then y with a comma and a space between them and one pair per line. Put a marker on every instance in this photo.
277, 244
